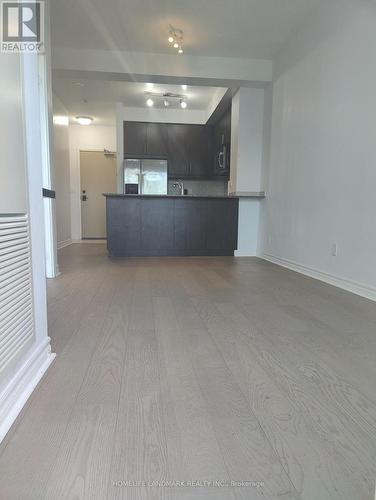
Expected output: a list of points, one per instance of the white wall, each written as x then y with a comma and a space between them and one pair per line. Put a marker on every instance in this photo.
81, 138
159, 68
162, 115
62, 177
247, 122
248, 227
322, 175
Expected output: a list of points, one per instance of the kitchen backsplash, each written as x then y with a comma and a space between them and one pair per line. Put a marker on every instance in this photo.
200, 187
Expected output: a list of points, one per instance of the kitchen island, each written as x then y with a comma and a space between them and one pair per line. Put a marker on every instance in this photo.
156, 225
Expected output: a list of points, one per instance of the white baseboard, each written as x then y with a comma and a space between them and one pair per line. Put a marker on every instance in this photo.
63, 244
242, 253
346, 284
19, 389
104, 242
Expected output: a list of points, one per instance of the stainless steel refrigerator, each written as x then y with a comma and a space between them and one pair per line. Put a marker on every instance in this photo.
145, 176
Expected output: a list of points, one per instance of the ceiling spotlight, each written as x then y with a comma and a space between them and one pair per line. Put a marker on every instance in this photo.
150, 102
183, 104
84, 120
166, 103
180, 51
170, 38
176, 45
184, 87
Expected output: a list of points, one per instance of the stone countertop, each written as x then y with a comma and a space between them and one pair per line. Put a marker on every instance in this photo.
174, 196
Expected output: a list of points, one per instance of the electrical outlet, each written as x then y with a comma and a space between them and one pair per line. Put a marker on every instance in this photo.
334, 249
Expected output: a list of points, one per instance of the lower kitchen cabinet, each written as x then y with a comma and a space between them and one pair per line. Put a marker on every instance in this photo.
157, 225
190, 225
140, 225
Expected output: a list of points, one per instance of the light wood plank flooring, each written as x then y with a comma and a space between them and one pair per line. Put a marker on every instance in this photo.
217, 371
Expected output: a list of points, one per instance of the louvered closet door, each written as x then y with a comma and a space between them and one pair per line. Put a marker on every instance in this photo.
16, 300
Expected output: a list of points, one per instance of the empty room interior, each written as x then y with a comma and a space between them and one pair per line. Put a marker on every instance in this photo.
188, 250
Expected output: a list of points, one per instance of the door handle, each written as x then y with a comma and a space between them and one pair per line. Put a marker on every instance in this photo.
83, 197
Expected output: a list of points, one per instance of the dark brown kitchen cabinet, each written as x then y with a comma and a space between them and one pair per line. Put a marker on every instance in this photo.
178, 152
156, 139
192, 150
189, 150
145, 139
199, 148
190, 225
147, 225
135, 134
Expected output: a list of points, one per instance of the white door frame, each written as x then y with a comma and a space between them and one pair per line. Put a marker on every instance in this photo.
49, 204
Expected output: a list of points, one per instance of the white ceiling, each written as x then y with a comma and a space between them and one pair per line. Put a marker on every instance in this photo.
227, 28
98, 98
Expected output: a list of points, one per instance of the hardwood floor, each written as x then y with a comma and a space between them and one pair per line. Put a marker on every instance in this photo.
213, 370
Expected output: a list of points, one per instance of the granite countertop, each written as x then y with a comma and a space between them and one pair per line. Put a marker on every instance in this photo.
174, 196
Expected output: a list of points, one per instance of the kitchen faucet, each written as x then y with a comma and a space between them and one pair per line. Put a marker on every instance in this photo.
180, 185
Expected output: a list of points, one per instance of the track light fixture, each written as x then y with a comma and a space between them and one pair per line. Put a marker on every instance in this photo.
166, 99
175, 38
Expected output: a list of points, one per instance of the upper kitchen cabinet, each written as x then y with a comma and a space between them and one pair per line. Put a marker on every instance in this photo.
192, 151
156, 139
189, 151
145, 139
135, 138
178, 151
199, 147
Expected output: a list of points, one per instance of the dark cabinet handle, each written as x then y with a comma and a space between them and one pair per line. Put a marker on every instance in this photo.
221, 159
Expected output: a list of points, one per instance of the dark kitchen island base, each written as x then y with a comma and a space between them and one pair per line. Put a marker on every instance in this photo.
145, 225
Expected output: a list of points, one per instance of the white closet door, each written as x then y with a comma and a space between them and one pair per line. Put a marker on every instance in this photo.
16, 301
16, 296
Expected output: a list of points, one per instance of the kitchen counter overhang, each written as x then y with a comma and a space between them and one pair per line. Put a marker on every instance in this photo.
170, 225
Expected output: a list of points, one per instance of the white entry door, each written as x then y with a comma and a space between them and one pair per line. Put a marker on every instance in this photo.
98, 176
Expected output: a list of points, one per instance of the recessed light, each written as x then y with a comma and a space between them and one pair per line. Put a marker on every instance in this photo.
150, 102
166, 103
183, 104
84, 120
184, 87
150, 85
61, 120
